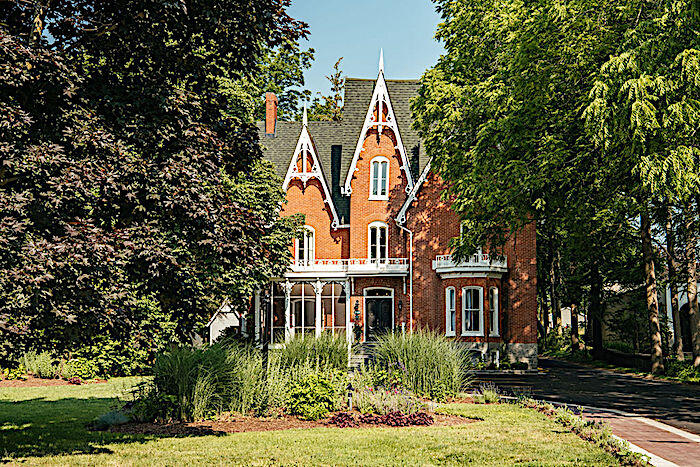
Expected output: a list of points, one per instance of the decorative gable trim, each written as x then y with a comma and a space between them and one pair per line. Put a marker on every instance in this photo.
401, 217
305, 149
380, 99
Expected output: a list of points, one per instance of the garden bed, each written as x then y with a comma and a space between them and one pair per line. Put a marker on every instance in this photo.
33, 382
243, 424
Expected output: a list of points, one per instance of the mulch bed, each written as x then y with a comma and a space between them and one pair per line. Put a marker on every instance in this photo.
33, 382
242, 424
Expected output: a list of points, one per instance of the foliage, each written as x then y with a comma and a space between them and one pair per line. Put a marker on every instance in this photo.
327, 350
40, 364
79, 367
595, 432
312, 397
330, 108
129, 153
194, 384
369, 400
488, 394
434, 366
13, 373
683, 371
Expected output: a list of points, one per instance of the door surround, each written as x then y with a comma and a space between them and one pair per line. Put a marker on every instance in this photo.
390, 295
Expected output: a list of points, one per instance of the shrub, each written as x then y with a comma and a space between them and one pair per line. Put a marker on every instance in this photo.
40, 365
312, 396
327, 350
488, 394
11, 374
432, 365
79, 367
684, 371
383, 401
343, 420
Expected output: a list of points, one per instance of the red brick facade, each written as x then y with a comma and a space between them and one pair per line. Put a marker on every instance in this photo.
433, 224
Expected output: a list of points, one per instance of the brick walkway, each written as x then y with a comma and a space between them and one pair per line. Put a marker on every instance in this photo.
672, 445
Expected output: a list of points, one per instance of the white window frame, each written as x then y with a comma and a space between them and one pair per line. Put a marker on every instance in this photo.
494, 311
450, 312
380, 180
309, 253
378, 225
480, 310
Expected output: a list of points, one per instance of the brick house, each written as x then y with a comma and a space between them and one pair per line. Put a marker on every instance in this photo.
375, 254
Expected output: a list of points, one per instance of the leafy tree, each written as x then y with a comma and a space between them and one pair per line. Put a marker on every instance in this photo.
501, 114
129, 157
644, 115
330, 108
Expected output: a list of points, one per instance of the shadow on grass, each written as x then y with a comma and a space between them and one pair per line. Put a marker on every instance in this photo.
40, 427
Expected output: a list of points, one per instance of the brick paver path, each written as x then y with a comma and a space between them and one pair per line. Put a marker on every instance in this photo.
665, 442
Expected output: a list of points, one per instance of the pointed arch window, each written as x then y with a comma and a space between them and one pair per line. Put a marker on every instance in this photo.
305, 247
379, 178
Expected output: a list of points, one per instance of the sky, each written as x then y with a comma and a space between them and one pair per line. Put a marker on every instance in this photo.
357, 29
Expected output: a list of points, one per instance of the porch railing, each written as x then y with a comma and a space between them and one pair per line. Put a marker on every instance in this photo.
478, 261
352, 265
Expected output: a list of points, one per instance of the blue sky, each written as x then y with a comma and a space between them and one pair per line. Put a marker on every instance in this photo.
357, 29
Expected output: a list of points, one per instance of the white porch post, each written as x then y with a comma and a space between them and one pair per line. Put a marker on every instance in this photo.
288, 331
318, 288
348, 309
256, 315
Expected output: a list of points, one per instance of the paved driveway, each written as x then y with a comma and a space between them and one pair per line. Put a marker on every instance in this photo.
672, 403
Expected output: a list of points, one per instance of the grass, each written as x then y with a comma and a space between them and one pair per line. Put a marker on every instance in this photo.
47, 426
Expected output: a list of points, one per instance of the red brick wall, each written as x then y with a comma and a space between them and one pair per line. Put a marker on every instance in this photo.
309, 201
364, 211
434, 223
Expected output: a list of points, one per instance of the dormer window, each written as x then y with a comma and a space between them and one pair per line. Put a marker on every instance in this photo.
379, 178
305, 247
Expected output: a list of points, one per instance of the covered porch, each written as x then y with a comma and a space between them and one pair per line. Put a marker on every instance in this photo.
303, 307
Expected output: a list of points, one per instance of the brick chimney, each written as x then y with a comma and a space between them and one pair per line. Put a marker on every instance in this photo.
270, 113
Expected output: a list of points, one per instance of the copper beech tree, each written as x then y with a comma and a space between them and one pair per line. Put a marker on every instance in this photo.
132, 195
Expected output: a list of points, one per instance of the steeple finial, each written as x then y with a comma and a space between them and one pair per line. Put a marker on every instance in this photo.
305, 119
381, 60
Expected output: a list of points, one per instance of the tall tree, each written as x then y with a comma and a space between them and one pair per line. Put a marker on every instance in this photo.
330, 107
501, 115
129, 155
644, 115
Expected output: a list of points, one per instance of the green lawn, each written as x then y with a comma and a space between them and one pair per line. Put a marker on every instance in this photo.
46, 425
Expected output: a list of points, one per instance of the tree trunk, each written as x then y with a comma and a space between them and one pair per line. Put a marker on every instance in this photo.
556, 287
657, 358
575, 343
595, 310
673, 287
693, 285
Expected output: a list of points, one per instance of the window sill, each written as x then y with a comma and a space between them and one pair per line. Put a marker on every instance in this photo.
494, 335
449, 334
472, 334
378, 198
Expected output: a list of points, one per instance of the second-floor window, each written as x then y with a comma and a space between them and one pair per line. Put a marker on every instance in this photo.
378, 241
305, 252
379, 179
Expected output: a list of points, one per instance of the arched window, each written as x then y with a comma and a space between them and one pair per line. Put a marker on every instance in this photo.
378, 241
472, 311
450, 314
379, 179
493, 311
305, 247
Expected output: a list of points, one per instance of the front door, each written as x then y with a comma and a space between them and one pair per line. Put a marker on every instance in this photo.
379, 308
